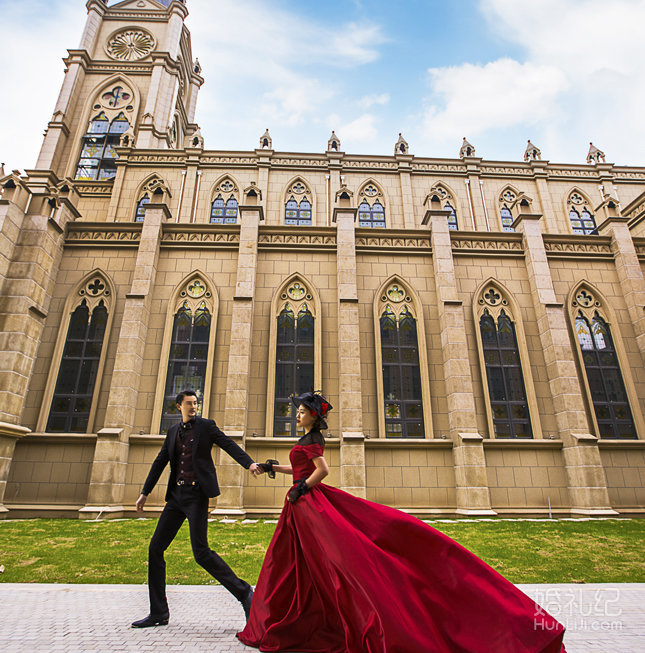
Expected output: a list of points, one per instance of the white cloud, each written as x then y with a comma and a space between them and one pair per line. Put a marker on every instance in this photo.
475, 98
266, 66
581, 78
368, 101
358, 132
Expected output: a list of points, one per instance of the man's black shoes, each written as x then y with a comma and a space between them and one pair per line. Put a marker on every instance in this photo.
149, 621
246, 603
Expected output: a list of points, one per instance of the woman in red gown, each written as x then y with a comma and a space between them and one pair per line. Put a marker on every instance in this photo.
346, 575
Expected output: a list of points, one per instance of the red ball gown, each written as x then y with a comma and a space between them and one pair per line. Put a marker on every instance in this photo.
346, 575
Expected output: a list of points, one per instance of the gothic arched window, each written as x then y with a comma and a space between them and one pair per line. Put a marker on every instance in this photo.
452, 218
140, 214
583, 222
401, 375
507, 218
297, 213
72, 400
230, 213
606, 385
217, 210
224, 212
371, 216
294, 370
509, 403
188, 356
98, 154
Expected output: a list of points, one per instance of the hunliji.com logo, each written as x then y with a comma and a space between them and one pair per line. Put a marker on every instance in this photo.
578, 609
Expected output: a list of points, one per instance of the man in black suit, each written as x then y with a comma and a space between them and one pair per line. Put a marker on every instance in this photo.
192, 481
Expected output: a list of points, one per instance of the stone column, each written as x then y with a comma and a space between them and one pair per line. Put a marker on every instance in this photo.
404, 161
107, 481
473, 494
264, 168
188, 199
13, 203
586, 478
164, 84
9, 435
630, 273
231, 475
352, 439
540, 174
474, 189
29, 283
117, 188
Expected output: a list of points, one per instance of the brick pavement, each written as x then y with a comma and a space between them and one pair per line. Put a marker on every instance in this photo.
77, 618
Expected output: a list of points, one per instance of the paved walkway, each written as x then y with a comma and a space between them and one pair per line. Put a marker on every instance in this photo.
78, 618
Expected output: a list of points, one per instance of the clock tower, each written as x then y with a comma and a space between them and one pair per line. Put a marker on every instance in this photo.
132, 81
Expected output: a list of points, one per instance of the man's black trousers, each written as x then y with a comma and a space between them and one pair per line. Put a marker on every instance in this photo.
186, 502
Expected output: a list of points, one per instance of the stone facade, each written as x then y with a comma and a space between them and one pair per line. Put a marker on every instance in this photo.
67, 238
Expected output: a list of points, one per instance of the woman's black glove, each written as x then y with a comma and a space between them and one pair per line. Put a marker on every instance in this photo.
297, 491
268, 467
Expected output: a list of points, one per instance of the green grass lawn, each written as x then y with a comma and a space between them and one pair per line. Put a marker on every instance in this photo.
75, 551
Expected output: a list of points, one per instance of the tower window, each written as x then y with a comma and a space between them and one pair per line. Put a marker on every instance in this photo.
98, 153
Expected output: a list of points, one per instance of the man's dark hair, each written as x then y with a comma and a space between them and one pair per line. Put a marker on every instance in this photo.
183, 394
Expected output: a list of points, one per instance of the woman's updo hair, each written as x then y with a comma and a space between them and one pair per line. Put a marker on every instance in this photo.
316, 404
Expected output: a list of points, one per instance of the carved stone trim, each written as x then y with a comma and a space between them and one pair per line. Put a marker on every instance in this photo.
100, 233
367, 240
291, 239
94, 189
507, 244
590, 246
183, 235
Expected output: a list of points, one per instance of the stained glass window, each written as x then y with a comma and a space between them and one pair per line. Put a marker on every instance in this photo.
582, 223
72, 400
401, 375
98, 153
224, 212
140, 214
507, 219
452, 218
509, 405
294, 370
298, 213
371, 216
610, 402
187, 360
230, 213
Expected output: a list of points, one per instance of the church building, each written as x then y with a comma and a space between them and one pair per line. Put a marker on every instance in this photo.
478, 326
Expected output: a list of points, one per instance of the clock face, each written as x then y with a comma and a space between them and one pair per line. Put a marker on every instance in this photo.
130, 45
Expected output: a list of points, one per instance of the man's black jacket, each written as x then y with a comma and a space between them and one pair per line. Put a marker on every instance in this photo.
206, 434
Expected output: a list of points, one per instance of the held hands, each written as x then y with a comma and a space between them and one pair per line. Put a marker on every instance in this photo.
268, 467
140, 502
256, 470
297, 491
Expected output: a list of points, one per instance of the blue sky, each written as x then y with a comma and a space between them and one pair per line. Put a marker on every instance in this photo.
561, 72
